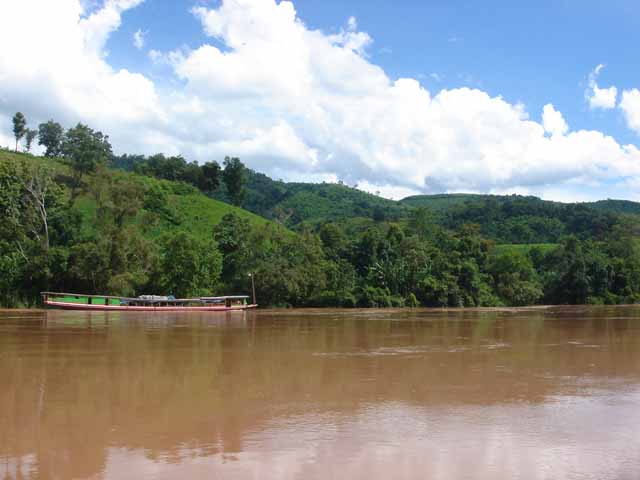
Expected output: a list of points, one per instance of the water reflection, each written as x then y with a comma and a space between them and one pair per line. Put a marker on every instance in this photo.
540, 393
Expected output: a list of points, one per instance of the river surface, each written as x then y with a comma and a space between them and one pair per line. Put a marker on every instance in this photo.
547, 393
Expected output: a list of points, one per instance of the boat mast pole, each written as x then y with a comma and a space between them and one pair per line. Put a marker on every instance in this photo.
253, 288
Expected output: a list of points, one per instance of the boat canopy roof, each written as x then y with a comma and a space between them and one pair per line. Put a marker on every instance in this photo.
150, 300
224, 297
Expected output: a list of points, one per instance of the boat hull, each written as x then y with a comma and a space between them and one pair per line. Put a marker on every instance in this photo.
129, 308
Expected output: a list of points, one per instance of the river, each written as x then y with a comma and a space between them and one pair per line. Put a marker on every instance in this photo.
541, 393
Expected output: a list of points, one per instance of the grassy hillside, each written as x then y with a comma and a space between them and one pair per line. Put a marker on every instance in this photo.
10, 156
198, 213
505, 219
190, 210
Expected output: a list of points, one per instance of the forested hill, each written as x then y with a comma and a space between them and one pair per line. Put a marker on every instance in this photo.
82, 219
616, 206
106, 231
510, 219
441, 202
73, 223
525, 219
504, 219
157, 206
315, 203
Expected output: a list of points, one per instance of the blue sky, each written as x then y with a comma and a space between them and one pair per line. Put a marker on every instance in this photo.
399, 97
528, 52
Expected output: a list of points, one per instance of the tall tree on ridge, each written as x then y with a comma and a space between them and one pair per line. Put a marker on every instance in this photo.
210, 179
19, 127
233, 177
29, 136
83, 150
50, 135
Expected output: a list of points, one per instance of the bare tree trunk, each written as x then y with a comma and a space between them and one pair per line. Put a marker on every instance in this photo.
37, 187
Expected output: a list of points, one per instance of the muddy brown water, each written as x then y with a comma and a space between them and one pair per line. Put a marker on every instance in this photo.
549, 393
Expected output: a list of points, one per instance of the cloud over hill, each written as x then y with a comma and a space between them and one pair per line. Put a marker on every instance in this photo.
297, 103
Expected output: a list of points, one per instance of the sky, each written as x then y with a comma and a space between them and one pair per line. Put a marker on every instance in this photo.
397, 97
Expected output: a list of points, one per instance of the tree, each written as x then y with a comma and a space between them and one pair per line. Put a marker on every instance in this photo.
174, 168
156, 203
289, 269
50, 135
189, 266
84, 150
333, 240
31, 208
233, 177
118, 198
30, 135
19, 127
210, 179
515, 280
575, 280
127, 162
10, 271
89, 265
12, 235
38, 185
421, 221
231, 235
10, 201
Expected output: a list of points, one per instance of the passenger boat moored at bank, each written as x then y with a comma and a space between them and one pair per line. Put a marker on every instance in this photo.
153, 303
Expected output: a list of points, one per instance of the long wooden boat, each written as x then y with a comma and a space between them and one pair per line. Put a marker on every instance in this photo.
146, 303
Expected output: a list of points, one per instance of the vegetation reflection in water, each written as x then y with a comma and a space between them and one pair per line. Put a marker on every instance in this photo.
86, 395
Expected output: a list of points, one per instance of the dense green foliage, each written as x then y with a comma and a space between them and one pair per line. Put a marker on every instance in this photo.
233, 177
80, 219
616, 206
523, 220
84, 150
125, 234
312, 204
130, 234
291, 204
507, 219
50, 135
441, 202
206, 177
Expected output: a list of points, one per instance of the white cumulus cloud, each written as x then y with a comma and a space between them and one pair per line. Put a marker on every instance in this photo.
295, 103
61, 71
139, 39
604, 98
553, 121
630, 105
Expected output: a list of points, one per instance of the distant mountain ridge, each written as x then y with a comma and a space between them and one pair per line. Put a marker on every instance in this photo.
504, 219
300, 203
441, 201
